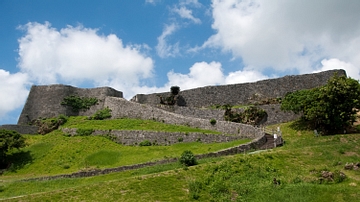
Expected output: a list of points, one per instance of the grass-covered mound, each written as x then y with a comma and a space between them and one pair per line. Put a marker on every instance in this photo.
82, 122
56, 153
297, 168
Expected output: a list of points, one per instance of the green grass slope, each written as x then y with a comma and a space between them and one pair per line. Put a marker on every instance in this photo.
297, 165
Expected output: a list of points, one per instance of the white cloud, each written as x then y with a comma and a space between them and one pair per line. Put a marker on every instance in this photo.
163, 48
201, 74
187, 14
244, 76
287, 35
194, 3
152, 1
76, 55
334, 63
13, 91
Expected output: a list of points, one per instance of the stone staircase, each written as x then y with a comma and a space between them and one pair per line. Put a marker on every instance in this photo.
269, 144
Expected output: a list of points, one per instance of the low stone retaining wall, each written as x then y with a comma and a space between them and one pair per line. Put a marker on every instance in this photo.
122, 108
135, 137
255, 144
22, 129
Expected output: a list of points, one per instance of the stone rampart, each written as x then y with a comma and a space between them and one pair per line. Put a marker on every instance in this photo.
237, 94
122, 108
135, 137
45, 101
22, 129
275, 114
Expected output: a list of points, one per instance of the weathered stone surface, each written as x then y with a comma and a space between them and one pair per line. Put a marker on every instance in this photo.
135, 137
45, 101
236, 94
22, 129
122, 108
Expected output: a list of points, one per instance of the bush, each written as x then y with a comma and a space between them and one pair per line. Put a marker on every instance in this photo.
78, 103
212, 121
180, 139
174, 90
145, 143
187, 158
9, 139
101, 114
84, 132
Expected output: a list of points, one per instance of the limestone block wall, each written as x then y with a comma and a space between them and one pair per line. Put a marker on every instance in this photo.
236, 94
135, 137
22, 129
45, 101
123, 108
275, 114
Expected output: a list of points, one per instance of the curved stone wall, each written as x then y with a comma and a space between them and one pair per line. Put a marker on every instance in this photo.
135, 137
122, 108
237, 94
45, 101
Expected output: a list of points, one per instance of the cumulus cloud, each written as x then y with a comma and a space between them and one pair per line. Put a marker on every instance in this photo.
187, 14
201, 74
13, 91
78, 55
163, 48
334, 63
244, 76
204, 74
285, 35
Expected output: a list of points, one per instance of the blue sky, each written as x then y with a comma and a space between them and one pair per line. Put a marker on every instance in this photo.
146, 46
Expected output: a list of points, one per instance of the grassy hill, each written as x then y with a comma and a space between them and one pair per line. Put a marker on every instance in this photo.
298, 166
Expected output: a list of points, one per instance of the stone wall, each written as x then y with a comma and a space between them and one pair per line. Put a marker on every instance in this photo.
122, 108
22, 129
275, 114
135, 137
237, 94
45, 101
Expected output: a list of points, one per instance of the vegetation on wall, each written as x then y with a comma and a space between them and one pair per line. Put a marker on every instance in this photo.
46, 125
252, 115
9, 140
101, 114
173, 98
78, 103
331, 108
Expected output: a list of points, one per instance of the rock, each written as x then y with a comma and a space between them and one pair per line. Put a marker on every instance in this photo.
348, 166
327, 175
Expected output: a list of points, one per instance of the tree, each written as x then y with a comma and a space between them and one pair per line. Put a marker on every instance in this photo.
331, 108
9, 139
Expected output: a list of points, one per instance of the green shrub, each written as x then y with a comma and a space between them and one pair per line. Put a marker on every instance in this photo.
174, 90
212, 121
101, 114
145, 143
9, 139
180, 139
84, 132
78, 103
187, 158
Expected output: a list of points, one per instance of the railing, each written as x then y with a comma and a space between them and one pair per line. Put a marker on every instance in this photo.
277, 134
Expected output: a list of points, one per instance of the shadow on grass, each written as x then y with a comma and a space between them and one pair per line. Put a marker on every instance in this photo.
301, 124
18, 160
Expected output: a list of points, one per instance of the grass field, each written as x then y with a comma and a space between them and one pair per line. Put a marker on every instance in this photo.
297, 165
